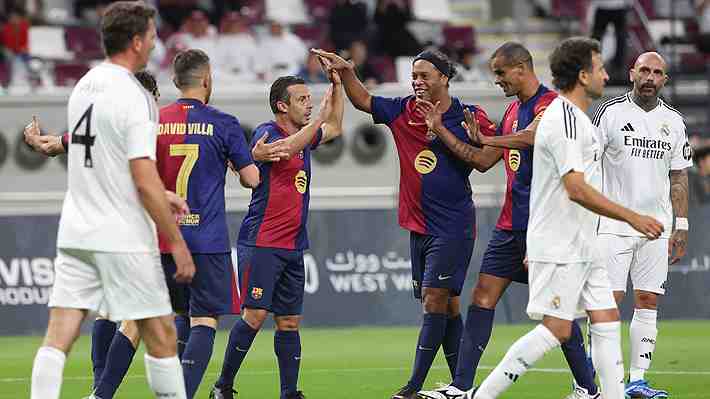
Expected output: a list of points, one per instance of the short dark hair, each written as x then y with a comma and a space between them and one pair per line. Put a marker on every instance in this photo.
513, 53
279, 90
147, 80
441, 62
122, 21
186, 67
569, 58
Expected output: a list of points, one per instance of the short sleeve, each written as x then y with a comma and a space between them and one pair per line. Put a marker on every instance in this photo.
238, 150
317, 139
385, 110
563, 142
542, 105
140, 121
682, 155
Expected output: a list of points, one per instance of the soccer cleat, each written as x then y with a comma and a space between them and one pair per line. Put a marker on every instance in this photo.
443, 392
581, 393
405, 393
222, 393
640, 389
297, 395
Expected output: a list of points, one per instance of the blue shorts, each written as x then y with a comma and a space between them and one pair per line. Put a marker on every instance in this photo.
439, 262
272, 279
505, 254
213, 290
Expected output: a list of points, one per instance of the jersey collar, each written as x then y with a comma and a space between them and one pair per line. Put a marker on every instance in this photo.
629, 96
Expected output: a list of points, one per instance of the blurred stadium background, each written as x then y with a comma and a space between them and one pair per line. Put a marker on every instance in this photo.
358, 266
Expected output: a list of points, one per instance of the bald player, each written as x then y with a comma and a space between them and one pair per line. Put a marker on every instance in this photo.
645, 158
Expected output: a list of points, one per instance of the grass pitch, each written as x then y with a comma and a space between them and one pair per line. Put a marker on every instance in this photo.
373, 363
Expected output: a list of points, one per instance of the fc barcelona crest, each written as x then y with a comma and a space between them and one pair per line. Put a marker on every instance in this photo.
257, 293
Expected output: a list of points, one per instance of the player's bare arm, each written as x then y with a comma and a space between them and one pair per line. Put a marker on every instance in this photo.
679, 199
178, 205
152, 195
249, 176
481, 159
47, 145
587, 196
354, 88
298, 141
333, 126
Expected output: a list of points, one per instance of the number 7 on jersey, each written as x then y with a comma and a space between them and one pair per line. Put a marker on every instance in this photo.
191, 152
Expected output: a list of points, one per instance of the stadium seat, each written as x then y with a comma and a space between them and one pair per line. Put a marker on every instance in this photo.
570, 9
286, 11
459, 37
85, 42
432, 10
48, 43
67, 74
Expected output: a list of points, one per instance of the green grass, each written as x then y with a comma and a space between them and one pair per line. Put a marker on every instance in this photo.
372, 363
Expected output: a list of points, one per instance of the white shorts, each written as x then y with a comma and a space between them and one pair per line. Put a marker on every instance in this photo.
646, 260
120, 286
568, 290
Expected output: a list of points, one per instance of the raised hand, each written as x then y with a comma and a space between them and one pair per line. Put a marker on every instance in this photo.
332, 74
269, 152
432, 114
473, 129
326, 105
336, 62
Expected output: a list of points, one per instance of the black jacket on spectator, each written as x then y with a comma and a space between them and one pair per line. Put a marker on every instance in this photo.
395, 39
348, 22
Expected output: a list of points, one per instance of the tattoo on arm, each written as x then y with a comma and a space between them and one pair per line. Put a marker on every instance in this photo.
479, 158
679, 192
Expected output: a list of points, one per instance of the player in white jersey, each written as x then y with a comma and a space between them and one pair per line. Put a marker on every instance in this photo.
565, 281
645, 142
107, 254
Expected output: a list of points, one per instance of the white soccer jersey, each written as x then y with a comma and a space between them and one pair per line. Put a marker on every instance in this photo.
112, 119
641, 148
559, 230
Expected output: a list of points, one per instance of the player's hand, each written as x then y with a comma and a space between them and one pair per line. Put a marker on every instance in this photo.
178, 205
326, 66
525, 263
472, 128
184, 265
337, 62
648, 226
677, 245
432, 114
326, 105
269, 152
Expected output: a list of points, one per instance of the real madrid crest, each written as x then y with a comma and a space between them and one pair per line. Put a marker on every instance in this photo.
665, 129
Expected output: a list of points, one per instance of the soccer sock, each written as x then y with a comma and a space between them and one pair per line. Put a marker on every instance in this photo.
182, 325
521, 356
240, 340
47, 373
120, 356
196, 357
606, 354
477, 333
165, 377
452, 342
430, 337
577, 360
287, 347
102, 334
643, 333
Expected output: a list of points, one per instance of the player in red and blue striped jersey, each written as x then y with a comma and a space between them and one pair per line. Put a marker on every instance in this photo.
503, 261
273, 234
435, 202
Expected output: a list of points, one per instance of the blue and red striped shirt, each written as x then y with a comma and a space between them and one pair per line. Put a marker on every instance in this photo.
434, 190
278, 210
518, 163
195, 141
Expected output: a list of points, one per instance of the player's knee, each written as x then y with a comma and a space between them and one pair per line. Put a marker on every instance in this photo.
129, 329
484, 297
454, 307
436, 300
159, 336
646, 300
254, 317
287, 323
561, 329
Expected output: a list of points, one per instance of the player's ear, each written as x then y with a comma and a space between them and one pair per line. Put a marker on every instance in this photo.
282, 106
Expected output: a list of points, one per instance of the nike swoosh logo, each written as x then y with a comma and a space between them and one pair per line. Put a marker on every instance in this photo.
240, 349
421, 348
442, 277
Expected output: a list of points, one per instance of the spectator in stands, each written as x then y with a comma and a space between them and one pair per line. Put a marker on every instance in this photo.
363, 69
703, 13
15, 38
312, 72
613, 12
196, 32
699, 177
391, 18
468, 69
235, 53
348, 22
173, 12
280, 52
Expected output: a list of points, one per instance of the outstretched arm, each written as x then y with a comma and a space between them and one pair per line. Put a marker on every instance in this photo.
679, 199
354, 89
521, 140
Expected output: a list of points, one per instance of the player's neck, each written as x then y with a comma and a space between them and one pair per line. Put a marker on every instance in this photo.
193, 95
578, 97
286, 124
530, 88
444, 99
646, 104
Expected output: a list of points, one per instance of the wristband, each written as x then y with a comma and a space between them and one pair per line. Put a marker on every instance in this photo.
681, 223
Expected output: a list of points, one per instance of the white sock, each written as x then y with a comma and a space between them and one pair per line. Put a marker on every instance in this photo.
607, 359
47, 373
643, 341
165, 377
521, 356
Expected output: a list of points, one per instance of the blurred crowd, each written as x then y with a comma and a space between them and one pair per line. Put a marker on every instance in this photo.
244, 44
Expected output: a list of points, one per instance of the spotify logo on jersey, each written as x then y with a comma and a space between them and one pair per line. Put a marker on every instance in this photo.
514, 160
301, 181
425, 162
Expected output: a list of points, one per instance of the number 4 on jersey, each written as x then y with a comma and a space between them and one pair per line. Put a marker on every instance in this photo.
86, 139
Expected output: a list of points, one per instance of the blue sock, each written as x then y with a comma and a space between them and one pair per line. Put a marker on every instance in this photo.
101, 337
430, 337
452, 341
287, 347
119, 359
240, 339
577, 360
182, 325
477, 333
196, 357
